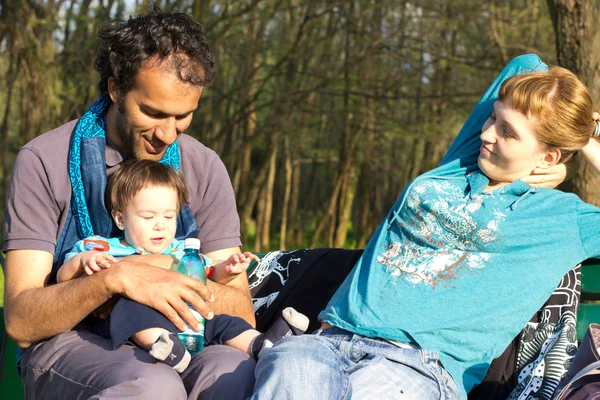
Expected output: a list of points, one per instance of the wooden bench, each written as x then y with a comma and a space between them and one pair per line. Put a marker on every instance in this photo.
589, 311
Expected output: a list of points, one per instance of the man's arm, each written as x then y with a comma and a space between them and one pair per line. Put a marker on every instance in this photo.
36, 311
234, 297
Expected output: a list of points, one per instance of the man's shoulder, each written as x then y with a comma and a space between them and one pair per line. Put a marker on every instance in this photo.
50, 141
201, 167
193, 148
197, 157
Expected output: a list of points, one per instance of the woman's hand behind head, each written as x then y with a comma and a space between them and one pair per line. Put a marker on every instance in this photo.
547, 178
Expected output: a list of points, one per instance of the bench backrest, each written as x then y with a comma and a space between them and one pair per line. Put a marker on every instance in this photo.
589, 308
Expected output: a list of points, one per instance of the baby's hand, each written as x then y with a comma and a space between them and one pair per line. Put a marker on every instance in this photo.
238, 263
97, 262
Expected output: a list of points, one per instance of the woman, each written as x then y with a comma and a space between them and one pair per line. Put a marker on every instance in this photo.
466, 255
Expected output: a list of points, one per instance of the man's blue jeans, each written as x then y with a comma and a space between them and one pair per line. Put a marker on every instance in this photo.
336, 364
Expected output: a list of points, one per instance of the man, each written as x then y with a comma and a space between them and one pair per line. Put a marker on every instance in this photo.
153, 70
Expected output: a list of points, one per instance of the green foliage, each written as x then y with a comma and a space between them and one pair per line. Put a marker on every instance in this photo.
329, 88
1, 288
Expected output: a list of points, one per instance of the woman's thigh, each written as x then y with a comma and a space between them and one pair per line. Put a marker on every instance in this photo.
302, 367
385, 371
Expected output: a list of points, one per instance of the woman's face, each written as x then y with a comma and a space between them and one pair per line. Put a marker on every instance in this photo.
509, 149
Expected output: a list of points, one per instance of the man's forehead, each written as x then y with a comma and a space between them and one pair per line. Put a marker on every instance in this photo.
159, 90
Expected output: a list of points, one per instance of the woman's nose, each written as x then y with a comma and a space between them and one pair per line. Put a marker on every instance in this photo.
489, 134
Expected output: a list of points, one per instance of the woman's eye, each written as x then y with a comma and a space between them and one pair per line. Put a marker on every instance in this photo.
507, 134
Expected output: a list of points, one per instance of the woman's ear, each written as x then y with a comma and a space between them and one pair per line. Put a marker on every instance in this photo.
550, 158
118, 217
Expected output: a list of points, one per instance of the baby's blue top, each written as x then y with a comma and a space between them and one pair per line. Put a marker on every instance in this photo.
114, 247
458, 270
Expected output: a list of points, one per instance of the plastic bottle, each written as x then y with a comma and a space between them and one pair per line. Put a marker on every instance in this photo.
192, 264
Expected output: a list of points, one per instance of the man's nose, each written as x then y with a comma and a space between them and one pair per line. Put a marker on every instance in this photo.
166, 132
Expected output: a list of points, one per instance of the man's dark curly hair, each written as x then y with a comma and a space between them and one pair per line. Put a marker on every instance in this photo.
124, 47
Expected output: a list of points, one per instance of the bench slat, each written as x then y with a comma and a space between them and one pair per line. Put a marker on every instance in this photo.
588, 313
590, 279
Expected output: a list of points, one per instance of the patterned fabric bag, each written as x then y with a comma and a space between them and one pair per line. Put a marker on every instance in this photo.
583, 378
548, 342
303, 279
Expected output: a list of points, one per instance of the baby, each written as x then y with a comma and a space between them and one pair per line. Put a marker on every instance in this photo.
146, 198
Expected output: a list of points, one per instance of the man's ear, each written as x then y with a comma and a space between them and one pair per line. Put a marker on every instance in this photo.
118, 217
551, 158
114, 90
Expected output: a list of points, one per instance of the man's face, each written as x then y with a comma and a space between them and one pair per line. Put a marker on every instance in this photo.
153, 114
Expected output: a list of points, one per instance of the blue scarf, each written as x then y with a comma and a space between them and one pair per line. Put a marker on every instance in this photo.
93, 126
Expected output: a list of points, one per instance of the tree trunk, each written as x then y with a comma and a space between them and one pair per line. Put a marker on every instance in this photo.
4, 147
248, 206
249, 131
345, 210
577, 42
264, 230
286, 194
297, 227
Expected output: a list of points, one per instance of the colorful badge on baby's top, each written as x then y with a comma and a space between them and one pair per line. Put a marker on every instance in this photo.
209, 271
96, 245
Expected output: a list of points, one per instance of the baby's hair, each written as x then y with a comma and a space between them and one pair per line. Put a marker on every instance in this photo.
559, 103
135, 175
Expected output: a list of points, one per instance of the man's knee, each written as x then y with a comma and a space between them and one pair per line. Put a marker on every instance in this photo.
220, 372
146, 381
79, 364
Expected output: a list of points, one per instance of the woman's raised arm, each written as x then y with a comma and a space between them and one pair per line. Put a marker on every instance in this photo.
592, 150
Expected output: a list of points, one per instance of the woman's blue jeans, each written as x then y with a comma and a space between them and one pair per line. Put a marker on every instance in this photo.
336, 364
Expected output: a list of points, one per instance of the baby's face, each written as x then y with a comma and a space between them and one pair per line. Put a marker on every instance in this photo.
150, 219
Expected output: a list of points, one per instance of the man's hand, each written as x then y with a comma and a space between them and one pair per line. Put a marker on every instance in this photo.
166, 291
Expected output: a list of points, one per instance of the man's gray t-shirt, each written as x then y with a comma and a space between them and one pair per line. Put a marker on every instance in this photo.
39, 195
